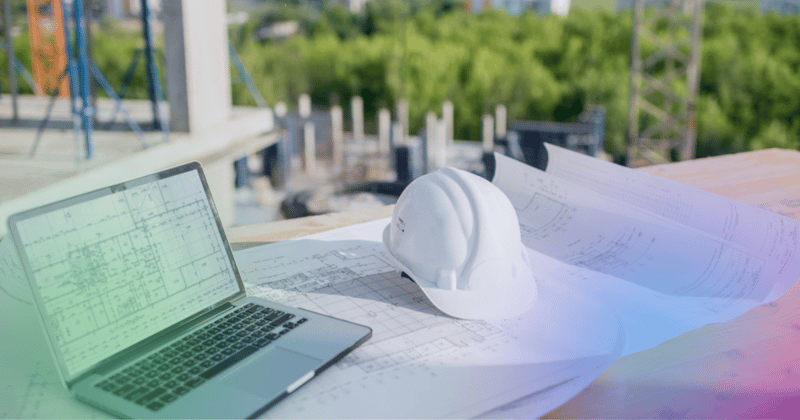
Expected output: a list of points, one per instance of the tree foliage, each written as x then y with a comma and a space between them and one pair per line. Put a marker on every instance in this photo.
540, 67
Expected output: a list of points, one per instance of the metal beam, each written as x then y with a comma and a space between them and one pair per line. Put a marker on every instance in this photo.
659, 114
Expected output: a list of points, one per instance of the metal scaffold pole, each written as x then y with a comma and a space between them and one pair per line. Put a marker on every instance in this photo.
153, 78
83, 76
12, 73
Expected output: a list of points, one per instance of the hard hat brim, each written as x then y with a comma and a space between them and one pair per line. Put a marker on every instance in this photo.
510, 298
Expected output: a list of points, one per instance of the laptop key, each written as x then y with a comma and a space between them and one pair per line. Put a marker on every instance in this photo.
181, 390
152, 384
282, 319
137, 393
150, 396
124, 389
139, 381
195, 370
194, 383
109, 386
263, 342
171, 384
165, 376
273, 315
155, 405
241, 354
168, 398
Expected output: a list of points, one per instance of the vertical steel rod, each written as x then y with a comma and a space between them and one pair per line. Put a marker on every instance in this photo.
12, 71
84, 76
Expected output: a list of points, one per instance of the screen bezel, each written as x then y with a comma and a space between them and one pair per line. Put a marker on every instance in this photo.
70, 378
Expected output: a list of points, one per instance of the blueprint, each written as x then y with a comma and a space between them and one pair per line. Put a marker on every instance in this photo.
345, 273
668, 257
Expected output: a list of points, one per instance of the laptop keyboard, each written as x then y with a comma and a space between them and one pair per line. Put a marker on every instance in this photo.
173, 371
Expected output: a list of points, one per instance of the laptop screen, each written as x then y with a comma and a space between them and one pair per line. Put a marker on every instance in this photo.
115, 266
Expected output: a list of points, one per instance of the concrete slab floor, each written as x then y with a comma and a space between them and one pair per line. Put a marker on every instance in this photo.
59, 154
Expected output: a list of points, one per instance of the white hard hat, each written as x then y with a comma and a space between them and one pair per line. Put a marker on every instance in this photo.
457, 236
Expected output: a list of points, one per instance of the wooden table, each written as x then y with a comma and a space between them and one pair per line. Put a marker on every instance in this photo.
746, 368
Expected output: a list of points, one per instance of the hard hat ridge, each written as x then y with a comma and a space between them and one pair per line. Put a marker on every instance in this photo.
457, 236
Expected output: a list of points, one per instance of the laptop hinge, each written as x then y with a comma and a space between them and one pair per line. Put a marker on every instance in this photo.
153, 342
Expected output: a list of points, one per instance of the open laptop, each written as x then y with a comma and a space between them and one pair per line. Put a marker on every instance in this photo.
145, 312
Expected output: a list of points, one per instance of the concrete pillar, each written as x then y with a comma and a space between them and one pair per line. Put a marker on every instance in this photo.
395, 141
440, 149
500, 127
337, 136
283, 171
309, 148
384, 131
197, 64
402, 118
429, 148
357, 111
447, 117
488, 133
304, 106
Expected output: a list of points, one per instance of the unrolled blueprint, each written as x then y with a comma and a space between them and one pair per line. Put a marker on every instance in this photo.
668, 257
447, 367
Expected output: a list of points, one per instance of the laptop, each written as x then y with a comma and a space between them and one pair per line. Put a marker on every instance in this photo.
146, 314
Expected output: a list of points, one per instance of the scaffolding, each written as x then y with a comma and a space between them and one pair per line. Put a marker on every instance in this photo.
664, 83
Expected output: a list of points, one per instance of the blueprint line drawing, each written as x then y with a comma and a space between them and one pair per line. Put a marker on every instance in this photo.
113, 270
358, 284
413, 344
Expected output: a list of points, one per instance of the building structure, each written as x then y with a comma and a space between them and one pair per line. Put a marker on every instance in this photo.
354, 6
517, 7
781, 7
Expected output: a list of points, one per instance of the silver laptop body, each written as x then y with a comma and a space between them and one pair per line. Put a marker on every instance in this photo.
146, 314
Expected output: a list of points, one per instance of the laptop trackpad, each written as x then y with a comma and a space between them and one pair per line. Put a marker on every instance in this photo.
269, 375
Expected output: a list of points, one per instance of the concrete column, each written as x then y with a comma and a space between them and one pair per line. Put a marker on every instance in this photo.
429, 148
304, 106
197, 64
384, 131
500, 127
337, 136
447, 117
309, 148
357, 111
488, 133
402, 118
440, 149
